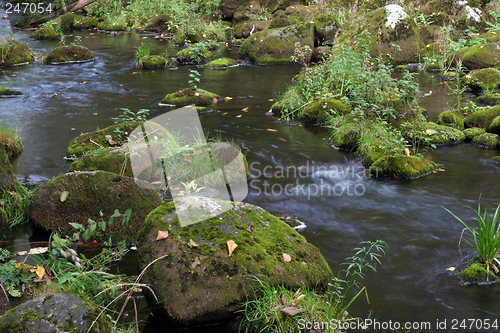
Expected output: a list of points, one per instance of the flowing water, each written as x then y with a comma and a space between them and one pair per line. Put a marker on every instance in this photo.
412, 284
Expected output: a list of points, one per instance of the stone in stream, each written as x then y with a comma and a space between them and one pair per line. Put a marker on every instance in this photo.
15, 53
88, 193
69, 54
203, 284
55, 313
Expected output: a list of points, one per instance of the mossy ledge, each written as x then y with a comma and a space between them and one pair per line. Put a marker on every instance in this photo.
68, 55
189, 96
203, 284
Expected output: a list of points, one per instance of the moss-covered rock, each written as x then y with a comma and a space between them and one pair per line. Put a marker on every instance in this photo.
403, 166
491, 36
432, 133
476, 273
451, 119
326, 28
246, 11
83, 143
151, 62
107, 26
489, 99
221, 63
495, 126
243, 29
88, 194
321, 53
55, 313
4, 92
4, 221
14, 53
486, 140
471, 133
111, 160
480, 56
7, 178
401, 68
485, 79
159, 23
319, 111
86, 23
433, 66
69, 54
460, 14
45, 33
496, 159
482, 118
202, 283
67, 21
192, 54
189, 96
277, 45
229, 7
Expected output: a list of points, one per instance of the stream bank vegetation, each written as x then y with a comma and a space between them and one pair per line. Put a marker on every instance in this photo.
485, 266
279, 309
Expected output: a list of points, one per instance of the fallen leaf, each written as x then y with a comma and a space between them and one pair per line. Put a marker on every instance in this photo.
39, 250
40, 271
271, 130
291, 310
430, 132
282, 139
135, 73
224, 113
375, 217
442, 170
188, 158
245, 109
192, 244
231, 246
450, 269
197, 94
161, 235
287, 257
249, 228
196, 262
407, 151
21, 253
304, 263
238, 116
227, 98
112, 142
64, 196
300, 298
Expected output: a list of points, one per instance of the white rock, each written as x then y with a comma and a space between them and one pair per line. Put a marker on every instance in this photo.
395, 14
474, 13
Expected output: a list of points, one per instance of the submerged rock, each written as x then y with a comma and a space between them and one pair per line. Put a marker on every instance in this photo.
88, 194
69, 54
221, 63
198, 282
55, 313
15, 53
189, 96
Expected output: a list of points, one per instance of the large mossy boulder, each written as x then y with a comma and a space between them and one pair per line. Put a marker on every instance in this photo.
243, 29
432, 133
326, 28
86, 23
14, 53
189, 96
45, 33
200, 283
319, 111
480, 56
485, 79
111, 160
486, 140
221, 63
451, 119
495, 126
277, 45
69, 54
118, 133
471, 133
89, 193
68, 21
482, 118
55, 313
7, 178
408, 167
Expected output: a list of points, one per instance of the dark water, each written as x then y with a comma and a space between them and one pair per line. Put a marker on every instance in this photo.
412, 284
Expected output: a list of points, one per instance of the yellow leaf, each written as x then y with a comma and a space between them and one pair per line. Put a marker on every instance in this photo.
40, 271
450, 269
430, 132
271, 130
22, 253
245, 109
224, 113
282, 139
231, 246
407, 151
227, 98
238, 116
300, 298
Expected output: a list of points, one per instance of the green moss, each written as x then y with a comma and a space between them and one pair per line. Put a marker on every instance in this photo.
4, 221
184, 55
431, 133
489, 99
221, 63
8, 92
119, 132
45, 32
14, 53
476, 273
480, 56
451, 119
486, 140
112, 160
188, 96
105, 25
319, 111
495, 126
482, 118
67, 21
151, 62
7, 178
86, 23
472, 132
496, 159
486, 79
404, 166
159, 23
491, 36
190, 291
433, 67
69, 54
90, 193
401, 68
243, 29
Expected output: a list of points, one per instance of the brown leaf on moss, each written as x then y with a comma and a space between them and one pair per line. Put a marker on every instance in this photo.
188, 159
192, 244
161, 235
287, 257
231, 246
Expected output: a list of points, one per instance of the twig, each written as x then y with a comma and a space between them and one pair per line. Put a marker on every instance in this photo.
6, 296
95, 143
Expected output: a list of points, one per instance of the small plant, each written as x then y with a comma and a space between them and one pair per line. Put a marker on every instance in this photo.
192, 187
195, 79
422, 20
128, 115
15, 203
11, 139
141, 53
86, 232
77, 41
486, 237
302, 54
